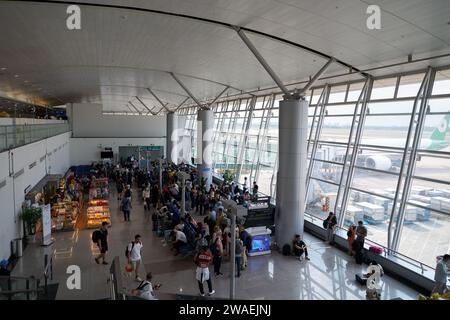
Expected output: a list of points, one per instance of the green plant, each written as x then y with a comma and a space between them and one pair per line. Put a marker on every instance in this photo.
30, 216
228, 176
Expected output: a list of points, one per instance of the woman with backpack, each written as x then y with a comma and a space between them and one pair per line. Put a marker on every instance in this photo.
351, 235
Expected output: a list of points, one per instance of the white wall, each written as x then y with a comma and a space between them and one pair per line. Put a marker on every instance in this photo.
55, 154
88, 122
86, 150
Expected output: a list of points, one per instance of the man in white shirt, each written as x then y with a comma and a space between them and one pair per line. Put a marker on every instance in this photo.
134, 253
179, 238
213, 215
145, 289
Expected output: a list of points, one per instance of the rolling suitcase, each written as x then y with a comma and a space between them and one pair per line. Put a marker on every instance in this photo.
376, 249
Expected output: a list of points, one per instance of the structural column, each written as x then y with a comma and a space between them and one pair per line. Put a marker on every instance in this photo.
205, 125
292, 168
172, 137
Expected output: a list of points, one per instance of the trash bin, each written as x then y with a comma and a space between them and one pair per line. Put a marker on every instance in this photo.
16, 247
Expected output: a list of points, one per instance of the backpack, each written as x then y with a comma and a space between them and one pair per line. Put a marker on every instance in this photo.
213, 249
238, 247
96, 236
286, 250
127, 251
325, 224
349, 233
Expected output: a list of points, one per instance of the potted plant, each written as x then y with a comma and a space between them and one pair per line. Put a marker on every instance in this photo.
228, 176
30, 216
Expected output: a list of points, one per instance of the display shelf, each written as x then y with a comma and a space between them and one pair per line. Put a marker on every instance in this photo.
64, 215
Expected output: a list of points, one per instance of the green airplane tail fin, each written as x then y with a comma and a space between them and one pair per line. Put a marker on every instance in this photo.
441, 131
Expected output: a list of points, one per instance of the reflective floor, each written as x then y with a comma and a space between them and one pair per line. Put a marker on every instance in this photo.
330, 274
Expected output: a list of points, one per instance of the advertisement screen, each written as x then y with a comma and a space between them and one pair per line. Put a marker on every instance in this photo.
260, 243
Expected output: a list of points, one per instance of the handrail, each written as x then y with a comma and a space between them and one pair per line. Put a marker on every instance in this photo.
396, 254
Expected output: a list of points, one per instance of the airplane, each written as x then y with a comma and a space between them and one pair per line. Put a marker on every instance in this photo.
388, 161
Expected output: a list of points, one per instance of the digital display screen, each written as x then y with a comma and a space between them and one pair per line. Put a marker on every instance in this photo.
106, 155
260, 243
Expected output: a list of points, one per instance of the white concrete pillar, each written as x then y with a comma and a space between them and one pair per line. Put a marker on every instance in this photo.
172, 137
292, 168
205, 127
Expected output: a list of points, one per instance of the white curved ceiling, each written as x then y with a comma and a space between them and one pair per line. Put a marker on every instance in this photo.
118, 53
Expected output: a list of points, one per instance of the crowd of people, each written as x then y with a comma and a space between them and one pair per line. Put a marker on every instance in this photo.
204, 229
207, 238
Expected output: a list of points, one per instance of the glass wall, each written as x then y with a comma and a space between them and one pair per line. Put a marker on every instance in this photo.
366, 185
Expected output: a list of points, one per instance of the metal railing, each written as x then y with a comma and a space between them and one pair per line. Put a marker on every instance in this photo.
13, 136
420, 265
13, 288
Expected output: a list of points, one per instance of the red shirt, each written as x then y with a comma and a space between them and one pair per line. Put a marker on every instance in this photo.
204, 259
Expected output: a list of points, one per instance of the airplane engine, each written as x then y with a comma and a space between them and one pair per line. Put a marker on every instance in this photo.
378, 162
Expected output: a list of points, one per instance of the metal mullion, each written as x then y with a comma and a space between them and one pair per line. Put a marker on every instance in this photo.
258, 137
328, 161
325, 181
233, 128
249, 109
314, 117
269, 106
402, 168
371, 193
397, 85
229, 130
349, 144
346, 92
431, 180
427, 208
317, 134
375, 170
413, 155
359, 130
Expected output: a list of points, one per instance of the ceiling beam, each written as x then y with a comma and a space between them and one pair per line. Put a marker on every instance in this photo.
261, 60
316, 76
189, 93
218, 96
140, 112
181, 104
164, 105
143, 103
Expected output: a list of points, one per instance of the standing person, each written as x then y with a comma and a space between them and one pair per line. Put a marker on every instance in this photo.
351, 235
299, 247
217, 251
126, 208
358, 243
100, 237
203, 260
440, 276
119, 187
246, 240
238, 251
128, 191
134, 255
146, 198
245, 187
331, 227
361, 233
255, 191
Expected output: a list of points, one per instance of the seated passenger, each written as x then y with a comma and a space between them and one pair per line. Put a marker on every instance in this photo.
299, 247
179, 239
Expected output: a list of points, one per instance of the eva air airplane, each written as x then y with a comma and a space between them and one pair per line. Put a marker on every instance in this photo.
384, 161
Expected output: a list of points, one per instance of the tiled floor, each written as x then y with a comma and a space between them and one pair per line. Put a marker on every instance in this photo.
329, 275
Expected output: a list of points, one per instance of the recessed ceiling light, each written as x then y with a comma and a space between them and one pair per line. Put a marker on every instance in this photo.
3, 69
16, 76
39, 88
26, 81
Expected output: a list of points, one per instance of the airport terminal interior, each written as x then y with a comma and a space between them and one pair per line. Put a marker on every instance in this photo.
217, 131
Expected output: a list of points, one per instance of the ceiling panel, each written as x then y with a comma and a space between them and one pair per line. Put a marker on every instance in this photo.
119, 53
